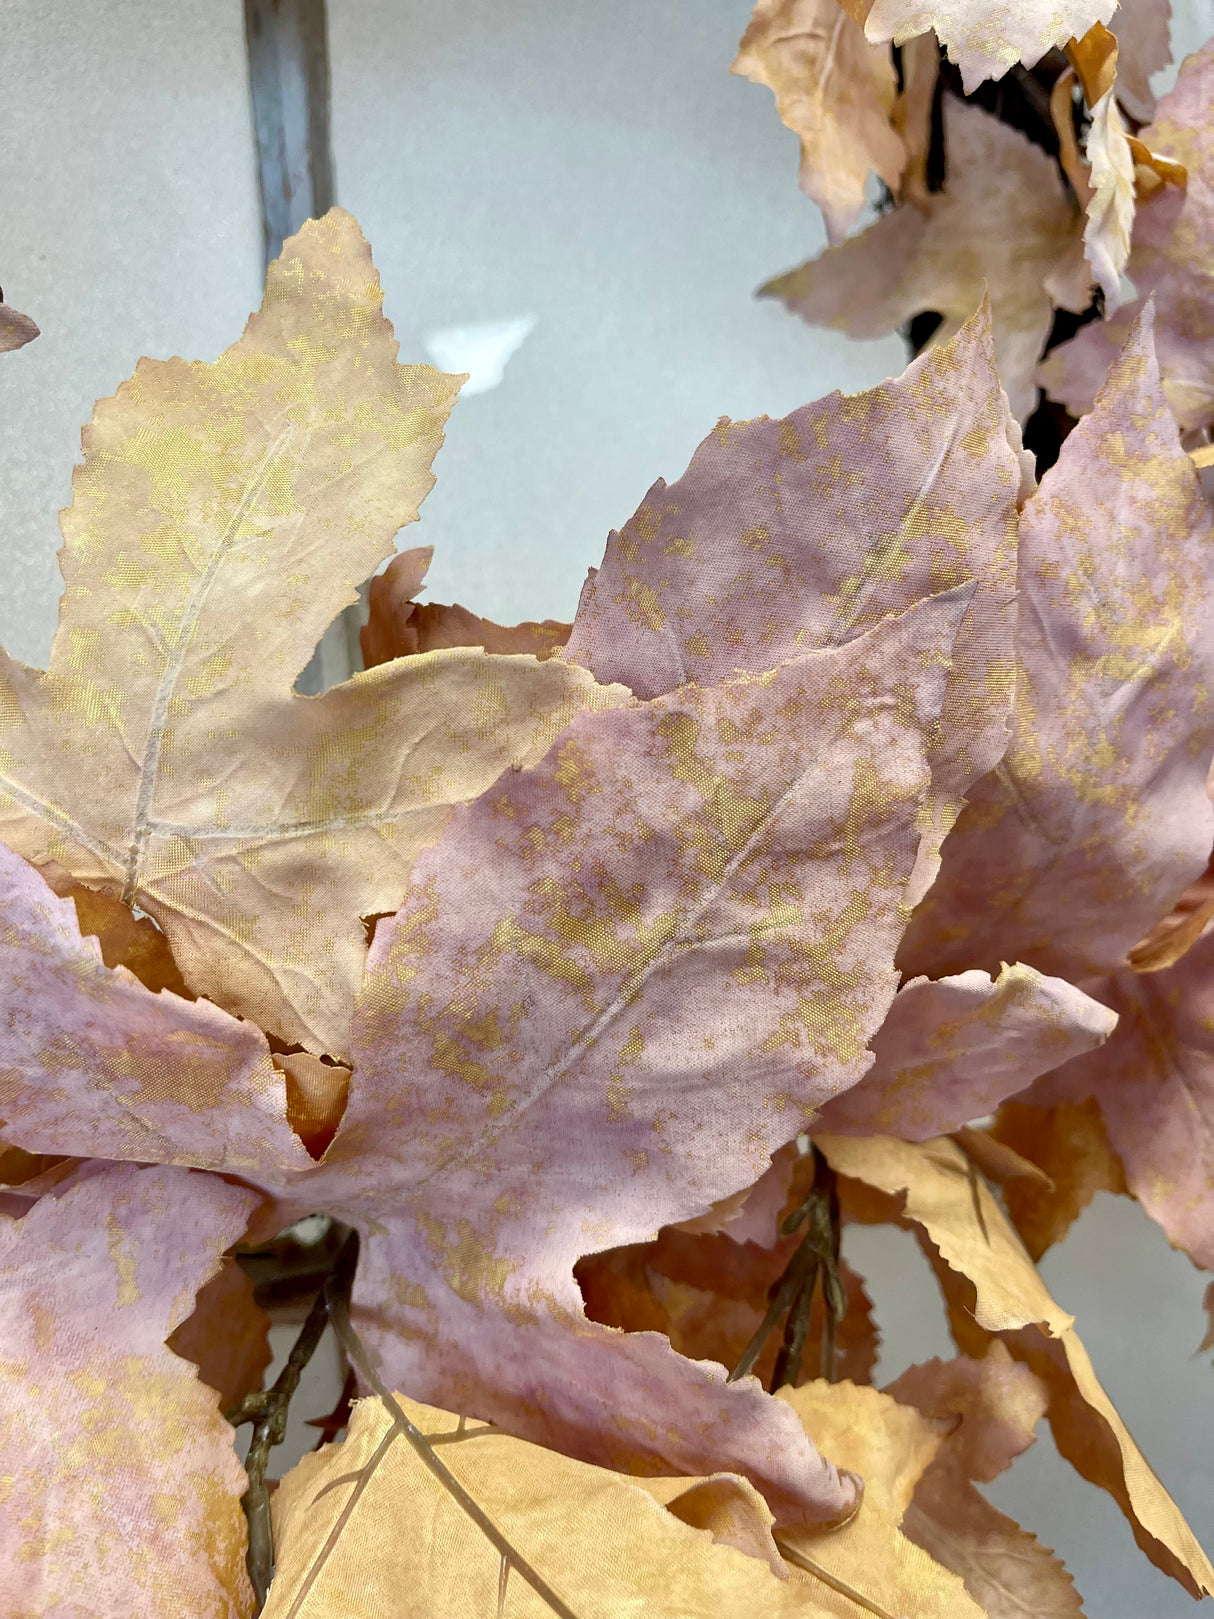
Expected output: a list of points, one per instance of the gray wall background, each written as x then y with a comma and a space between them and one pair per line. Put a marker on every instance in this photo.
594, 167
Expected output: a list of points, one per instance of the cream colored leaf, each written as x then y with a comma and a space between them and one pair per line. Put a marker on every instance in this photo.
1002, 226
223, 515
974, 1238
600, 1539
1110, 213
987, 37
835, 92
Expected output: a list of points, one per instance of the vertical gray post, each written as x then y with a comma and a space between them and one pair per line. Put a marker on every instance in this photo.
289, 81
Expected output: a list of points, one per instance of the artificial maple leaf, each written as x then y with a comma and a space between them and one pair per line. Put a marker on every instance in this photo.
1002, 226
121, 1485
1155, 1090
1175, 934
16, 329
398, 626
1169, 262
94, 1064
950, 1049
222, 516
1070, 1143
890, 1445
1110, 210
835, 92
983, 37
1144, 38
1004, 1294
226, 1335
787, 535
999, 1403
357, 1524
708, 1294
1097, 818
693, 897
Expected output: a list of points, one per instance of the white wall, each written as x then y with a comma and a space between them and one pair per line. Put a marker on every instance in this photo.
129, 225
595, 166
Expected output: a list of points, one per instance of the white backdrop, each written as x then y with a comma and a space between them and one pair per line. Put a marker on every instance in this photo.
593, 169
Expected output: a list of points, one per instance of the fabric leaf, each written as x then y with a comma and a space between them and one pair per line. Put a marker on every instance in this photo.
952, 1049
94, 1064
398, 626
117, 1465
999, 1403
987, 37
787, 535
697, 897
975, 1241
891, 1446
1002, 227
223, 515
835, 92
601, 1540
1097, 817
1169, 262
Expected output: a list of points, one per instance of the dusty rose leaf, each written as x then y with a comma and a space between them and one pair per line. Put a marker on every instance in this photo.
987, 37
1097, 817
951, 1049
222, 517
1169, 261
999, 1403
226, 1335
694, 898
995, 1287
835, 92
94, 1064
1155, 1087
1002, 227
126, 940
16, 329
122, 1488
788, 535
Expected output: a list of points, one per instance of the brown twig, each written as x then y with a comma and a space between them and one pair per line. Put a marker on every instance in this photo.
267, 1411
793, 1290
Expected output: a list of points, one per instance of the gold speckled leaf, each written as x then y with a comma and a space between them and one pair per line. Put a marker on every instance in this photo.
223, 515
119, 1484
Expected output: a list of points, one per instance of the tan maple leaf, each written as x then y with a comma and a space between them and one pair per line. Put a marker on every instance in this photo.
836, 92
871, 1557
222, 517
360, 1523
995, 1405
399, 626
1004, 1294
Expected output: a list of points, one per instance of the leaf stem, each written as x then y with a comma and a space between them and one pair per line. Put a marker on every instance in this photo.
267, 1411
